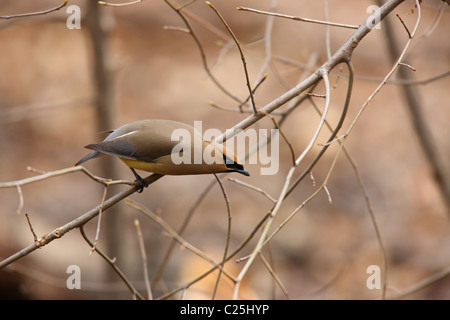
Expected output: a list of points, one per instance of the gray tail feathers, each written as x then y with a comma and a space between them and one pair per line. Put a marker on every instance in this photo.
91, 155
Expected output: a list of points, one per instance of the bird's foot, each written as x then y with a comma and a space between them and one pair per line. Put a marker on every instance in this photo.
142, 183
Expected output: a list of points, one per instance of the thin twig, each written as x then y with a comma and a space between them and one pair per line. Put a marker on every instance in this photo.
36, 109
407, 65
99, 222
263, 238
112, 263
37, 13
401, 82
327, 29
260, 81
180, 29
374, 223
31, 228
244, 63
201, 50
333, 24
43, 175
369, 209
301, 157
204, 23
274, 275
267, 43
144, 258
404, 25
21, 201
227, 242
141, 208
311, 94
439, 167
103, 3
190, 214
76, 223
335, 131
422, 284
264, 193
240, 110
330, 201
284, 137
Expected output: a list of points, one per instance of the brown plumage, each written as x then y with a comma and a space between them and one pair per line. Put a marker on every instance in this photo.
149, 145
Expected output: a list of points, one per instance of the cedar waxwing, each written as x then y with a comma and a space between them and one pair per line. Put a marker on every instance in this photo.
152, 145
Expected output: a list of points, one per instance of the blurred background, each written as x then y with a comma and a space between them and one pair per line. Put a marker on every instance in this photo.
51, 95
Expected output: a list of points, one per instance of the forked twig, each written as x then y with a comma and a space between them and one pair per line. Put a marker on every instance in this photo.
141, 208
112, 263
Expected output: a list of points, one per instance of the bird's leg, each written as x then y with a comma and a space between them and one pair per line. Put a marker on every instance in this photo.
142, 183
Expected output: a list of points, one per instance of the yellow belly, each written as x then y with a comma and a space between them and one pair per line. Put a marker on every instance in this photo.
165, 166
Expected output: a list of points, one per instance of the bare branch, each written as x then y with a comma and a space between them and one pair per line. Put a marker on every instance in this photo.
227, 243
440, 168
201, 50
31, 228
268, 196
422, 284
180, 231
76, 223
99, 222
50, 174
174, 234
333, 24
404, 25
103, 3
244, 63
274, 275
144, 258
112, 263
20, 207
37, 13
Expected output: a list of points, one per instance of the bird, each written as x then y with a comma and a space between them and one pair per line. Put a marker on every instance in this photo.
151, 145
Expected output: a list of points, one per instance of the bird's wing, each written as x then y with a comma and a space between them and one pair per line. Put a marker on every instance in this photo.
146, 141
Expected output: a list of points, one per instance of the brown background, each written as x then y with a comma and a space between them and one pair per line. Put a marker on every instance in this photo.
47, 116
